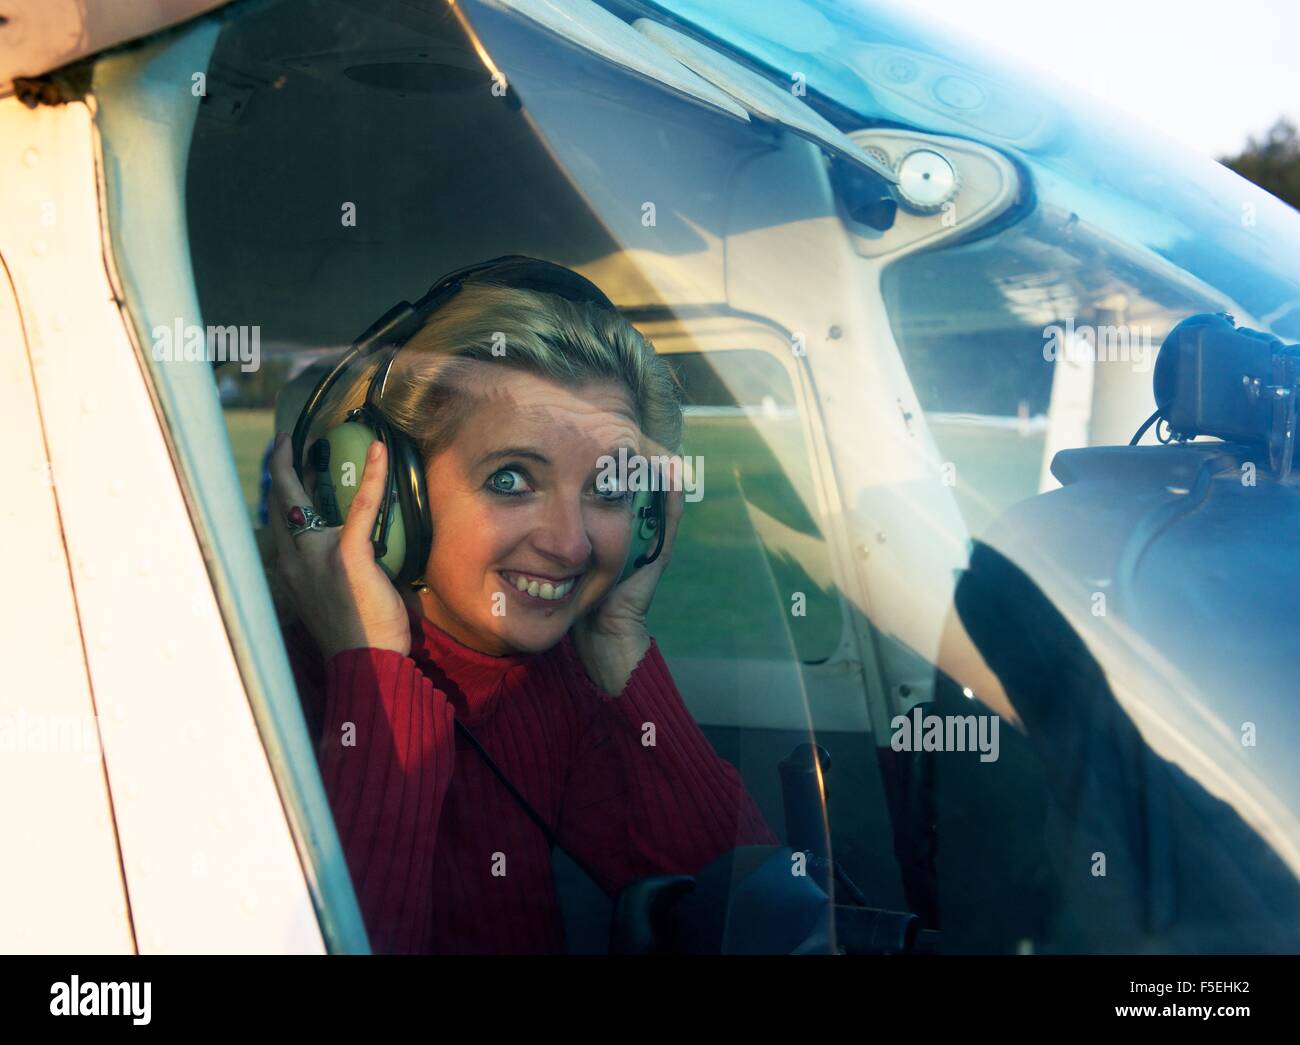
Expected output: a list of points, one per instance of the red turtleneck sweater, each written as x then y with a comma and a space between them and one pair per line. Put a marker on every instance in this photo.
443, 858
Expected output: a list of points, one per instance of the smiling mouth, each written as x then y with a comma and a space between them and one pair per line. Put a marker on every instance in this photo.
542, 589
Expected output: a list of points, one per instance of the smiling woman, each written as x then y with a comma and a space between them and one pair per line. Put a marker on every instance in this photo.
532, 514
523, 624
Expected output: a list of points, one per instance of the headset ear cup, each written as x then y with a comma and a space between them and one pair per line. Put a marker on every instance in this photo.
411, 495
348, 443
647, 522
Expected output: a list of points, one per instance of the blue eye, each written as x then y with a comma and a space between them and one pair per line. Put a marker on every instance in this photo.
508, 481
610, 491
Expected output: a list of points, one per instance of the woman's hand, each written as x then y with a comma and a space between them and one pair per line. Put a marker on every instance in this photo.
613, 637
330, 576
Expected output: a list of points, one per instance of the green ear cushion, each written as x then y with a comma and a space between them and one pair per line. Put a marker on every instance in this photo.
348, 444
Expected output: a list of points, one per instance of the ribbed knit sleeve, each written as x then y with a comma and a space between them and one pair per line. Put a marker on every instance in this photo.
647, 794
386, 756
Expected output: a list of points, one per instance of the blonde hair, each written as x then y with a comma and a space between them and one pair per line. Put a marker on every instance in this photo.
439, 371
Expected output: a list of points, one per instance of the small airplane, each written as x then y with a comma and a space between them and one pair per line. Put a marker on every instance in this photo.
923, 306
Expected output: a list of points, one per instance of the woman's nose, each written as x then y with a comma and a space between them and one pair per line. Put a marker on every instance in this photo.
562, 535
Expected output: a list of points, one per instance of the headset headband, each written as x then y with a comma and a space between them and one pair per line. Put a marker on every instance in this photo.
399, 324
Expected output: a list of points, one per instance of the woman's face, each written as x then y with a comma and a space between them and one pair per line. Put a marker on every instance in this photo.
525, 542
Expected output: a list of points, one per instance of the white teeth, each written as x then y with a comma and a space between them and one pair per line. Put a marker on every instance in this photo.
542, 589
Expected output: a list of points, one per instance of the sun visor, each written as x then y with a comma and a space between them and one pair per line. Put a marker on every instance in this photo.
594, 29
760, 96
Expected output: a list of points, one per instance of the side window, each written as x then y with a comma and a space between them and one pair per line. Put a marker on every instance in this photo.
1045, 348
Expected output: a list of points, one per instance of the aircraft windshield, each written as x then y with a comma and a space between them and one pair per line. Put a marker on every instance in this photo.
879, 379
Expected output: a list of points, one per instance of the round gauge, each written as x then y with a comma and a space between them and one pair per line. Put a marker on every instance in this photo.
926, 181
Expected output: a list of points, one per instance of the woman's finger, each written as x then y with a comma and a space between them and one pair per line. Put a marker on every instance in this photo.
287, 545
360, 523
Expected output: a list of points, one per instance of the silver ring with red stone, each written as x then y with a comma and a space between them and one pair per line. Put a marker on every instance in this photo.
303, 517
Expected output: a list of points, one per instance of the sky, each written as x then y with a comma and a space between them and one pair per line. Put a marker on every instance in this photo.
1207, 73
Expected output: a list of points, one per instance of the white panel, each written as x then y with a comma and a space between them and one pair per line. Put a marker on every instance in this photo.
210, 862
60, 881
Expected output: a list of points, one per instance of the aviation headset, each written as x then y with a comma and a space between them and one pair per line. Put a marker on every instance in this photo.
403, 533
